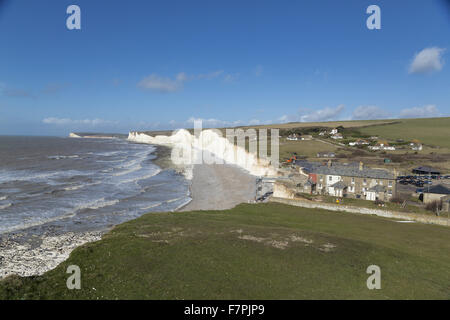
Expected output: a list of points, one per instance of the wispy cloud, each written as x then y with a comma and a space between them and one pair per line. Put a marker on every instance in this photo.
427, 61
369, 113
215, 123
231, 77
54, 88
326, 114
427, 111
309, 115
210, 75
17, 93
72, 122
157, 83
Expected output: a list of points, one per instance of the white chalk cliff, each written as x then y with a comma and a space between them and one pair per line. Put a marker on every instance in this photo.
209, 147
74, 135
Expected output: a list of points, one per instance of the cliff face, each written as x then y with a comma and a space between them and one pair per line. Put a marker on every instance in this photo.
74, 135
281, 191
209, 147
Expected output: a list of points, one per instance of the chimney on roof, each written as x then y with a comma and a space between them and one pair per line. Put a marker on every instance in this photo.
329, 163
361, 166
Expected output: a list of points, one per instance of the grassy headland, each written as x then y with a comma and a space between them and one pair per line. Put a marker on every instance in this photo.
265, 251
430, 131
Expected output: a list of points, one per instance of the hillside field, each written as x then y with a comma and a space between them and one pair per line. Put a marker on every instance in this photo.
430, 131
264, 251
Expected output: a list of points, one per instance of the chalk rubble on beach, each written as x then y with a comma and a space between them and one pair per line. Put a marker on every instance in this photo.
26, 259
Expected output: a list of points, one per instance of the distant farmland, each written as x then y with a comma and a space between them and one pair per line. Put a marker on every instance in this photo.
432, 131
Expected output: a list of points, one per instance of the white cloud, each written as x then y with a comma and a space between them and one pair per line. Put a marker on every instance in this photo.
210, 75
369, 113
254, 122
163, 84
214, 123
158, 83
17, 93
427, 111
326, 114
283, 118
231, 77
71, 122
427, 61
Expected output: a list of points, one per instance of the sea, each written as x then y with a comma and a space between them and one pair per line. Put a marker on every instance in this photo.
78, 185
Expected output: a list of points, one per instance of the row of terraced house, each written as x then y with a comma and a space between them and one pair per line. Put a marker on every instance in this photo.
352, 180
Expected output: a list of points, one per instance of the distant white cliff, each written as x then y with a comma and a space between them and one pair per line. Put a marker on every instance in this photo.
209, 147
74, 135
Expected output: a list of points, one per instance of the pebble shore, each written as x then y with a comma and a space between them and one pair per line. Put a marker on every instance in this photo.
39, 254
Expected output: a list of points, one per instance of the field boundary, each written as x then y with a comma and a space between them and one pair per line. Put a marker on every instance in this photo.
382, 213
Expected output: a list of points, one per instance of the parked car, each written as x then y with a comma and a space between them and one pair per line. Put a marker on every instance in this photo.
419, 184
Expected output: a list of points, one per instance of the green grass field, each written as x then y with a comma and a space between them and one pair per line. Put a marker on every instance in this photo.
308, 148
265, 251
431, 131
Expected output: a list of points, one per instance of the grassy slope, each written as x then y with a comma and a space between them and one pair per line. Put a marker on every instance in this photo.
199, 255
308, 148
327, 124
432, 131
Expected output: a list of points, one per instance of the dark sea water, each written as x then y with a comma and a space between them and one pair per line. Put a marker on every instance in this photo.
73, 185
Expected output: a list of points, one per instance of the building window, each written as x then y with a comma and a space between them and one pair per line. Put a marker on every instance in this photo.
364, 182
321, 178
390, 184
381, 182
353, 180
390, 192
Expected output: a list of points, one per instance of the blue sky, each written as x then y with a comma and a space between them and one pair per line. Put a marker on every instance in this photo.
139, 65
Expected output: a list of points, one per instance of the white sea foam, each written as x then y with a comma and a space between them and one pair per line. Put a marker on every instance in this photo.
62, 157
36, 221
152, 206
108, 153
3, 198
133, 169
182, 205
5, 206
80, 186
142, 177
24, 175
95, 204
